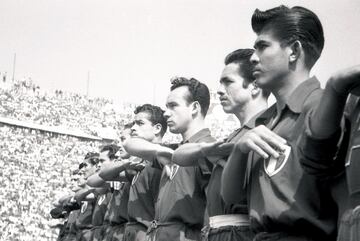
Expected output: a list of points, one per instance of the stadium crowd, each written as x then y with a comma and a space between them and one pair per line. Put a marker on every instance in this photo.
22, 101
37, 165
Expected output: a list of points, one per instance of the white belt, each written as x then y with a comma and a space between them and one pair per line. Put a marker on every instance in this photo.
229, 220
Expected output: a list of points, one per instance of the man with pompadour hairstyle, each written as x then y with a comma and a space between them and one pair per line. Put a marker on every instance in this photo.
285, 203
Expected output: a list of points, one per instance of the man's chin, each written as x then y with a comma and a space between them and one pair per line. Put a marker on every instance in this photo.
173, 130
227, 109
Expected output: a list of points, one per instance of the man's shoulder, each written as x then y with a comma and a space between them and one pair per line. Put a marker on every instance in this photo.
313, 99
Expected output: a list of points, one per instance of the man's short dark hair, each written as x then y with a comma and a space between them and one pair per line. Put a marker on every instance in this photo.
156, 115
198, 92
91, 158
90, 155
293, 24
112, 150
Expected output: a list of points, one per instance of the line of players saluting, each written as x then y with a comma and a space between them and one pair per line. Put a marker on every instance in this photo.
290, 172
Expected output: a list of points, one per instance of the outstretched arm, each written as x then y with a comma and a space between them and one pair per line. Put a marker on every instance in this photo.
111, 171
189, 153
260, 140
147, 150
325, 121
83, 193
96, 181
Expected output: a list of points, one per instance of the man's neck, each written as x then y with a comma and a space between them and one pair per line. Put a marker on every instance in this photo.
194, 127
157, 140
250, 110
283, 93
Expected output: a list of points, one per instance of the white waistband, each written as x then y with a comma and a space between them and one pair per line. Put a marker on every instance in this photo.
229, 220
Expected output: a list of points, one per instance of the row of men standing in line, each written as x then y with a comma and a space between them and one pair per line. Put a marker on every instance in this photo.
280, 176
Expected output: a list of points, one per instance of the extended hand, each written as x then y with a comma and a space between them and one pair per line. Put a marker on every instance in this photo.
262, 141
164, 155
216, 149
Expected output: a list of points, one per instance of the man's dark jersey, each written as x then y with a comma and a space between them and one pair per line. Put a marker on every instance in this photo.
71, 228
84, 220
100, 208
215, 203
117, 211
181, 196
143, 194
282, 197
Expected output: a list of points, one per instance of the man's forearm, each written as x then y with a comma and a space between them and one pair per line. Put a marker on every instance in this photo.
81, 194
141, 148
326, 118
111, 172
187, 154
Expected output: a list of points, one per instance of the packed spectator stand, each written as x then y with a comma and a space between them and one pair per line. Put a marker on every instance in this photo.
37, 165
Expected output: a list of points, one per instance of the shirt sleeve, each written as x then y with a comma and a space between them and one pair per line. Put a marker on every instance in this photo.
323, 157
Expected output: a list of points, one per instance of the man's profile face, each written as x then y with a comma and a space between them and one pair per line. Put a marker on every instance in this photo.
125, 134
232, 93
178, 111
271, 60
104, 156
143, 127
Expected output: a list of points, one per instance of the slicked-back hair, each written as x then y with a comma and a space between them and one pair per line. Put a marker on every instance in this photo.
156, 115
197, 91
242, 58
293, 24
112, 150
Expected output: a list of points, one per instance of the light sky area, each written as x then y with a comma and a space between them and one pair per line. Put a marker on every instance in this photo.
133, 47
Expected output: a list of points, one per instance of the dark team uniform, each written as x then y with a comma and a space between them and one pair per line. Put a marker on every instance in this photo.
71, 226
285, 202
84, 221
327, 159
179, 210
227, 222
116, 215
100, 209
141, 206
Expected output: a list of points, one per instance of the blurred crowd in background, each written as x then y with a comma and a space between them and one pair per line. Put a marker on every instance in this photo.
36, 166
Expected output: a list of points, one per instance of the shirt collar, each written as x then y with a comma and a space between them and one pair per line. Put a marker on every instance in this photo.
295, 101
300, 94
198, 136
251, 123
266, 115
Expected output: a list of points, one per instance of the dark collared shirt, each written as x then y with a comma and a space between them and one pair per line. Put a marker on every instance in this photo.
143, 194
84, 220
100, 208
117, 211
215, 205
182, 196
282, 197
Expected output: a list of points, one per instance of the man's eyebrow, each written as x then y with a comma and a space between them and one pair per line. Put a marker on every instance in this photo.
170, 103
259, 42
224, 79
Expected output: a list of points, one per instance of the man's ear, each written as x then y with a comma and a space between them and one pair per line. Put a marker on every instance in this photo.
295, 51
196, 107
158, 129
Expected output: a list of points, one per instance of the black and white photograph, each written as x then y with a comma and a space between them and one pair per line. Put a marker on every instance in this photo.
179, 120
